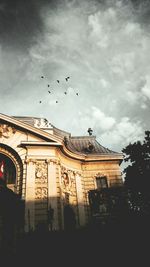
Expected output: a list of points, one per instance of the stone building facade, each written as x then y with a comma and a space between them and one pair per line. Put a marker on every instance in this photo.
51, 170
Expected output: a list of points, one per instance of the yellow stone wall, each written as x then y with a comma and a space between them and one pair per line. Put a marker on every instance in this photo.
49, 177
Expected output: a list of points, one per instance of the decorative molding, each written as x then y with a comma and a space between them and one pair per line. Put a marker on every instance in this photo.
6, 131
41, 180
41, 193
42, 123
15, 158
78, 173
67, 180
40, 143
99, 174
29, 160
55, 161
41, 172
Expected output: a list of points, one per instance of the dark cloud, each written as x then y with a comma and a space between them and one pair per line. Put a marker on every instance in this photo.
142, 10
20, 23
100, 44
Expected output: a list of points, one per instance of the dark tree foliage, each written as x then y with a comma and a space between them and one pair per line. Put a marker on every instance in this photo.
137, 174
137, 177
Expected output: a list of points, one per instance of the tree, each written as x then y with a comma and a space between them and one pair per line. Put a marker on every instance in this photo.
137, 174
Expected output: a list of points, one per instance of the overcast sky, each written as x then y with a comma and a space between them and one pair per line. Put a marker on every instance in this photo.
103, 46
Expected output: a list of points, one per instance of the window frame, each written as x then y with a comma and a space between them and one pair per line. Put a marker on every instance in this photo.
101, 182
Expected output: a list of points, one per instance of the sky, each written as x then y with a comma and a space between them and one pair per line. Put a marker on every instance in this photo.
103, 46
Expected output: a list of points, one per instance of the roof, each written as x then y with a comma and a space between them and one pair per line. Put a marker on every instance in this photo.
42, 123
87, 145
78, 144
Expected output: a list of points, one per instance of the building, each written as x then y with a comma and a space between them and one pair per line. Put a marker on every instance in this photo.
53, 171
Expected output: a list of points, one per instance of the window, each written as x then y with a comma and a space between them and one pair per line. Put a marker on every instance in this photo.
101, 182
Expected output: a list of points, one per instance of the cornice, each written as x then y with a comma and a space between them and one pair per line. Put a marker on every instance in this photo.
38, 143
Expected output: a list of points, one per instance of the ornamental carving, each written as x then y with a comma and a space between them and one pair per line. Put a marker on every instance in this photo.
6, 131
41, 193
54, 161
42, 123
41, 181
67, 180
29, 160
41, 173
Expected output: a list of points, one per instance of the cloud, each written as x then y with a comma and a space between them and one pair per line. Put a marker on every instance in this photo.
146, 88
124, 132
102, 45
133, 97
105, 122
95, 119
112, 133
20, 24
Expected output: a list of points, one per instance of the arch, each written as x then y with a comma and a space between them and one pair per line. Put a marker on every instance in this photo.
16, 160
7, 169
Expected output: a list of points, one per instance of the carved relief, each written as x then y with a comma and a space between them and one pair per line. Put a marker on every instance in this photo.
54, 161
29, 160
42, 123
6, 131
41, 193
41, 173
67, 180
41, 180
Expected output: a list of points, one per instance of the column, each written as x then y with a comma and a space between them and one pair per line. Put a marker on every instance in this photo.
30, 196
80, 199
52, 191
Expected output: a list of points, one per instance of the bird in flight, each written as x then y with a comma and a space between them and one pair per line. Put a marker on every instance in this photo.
49, 92
48, 85
58, 81
65, 93
42, 77
67, 78
40, 101
56, 101
77, 94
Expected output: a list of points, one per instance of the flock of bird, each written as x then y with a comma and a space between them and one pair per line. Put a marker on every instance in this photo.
58, 81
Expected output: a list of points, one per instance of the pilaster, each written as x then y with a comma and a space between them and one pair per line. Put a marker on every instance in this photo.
52, 191
80, 199
30, 195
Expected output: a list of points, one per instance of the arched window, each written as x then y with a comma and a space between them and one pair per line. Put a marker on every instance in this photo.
101, 182
7, 170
